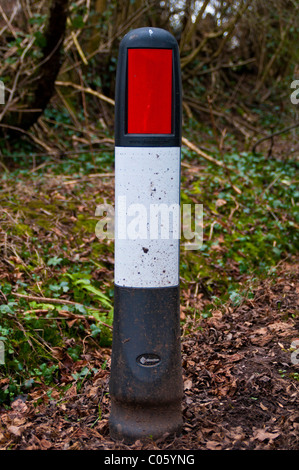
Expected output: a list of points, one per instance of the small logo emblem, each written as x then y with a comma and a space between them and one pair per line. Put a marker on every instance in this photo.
148, 360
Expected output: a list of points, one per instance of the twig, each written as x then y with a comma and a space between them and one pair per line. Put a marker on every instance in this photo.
8, 22
85, 178
31, 136
212, 160
4, 167
201, 153
211, 229
79, 49
226, 66
270, 136
56, 153
57, 301
86, 90
39, 167
234, 209
71, 315
270, 185
45, 299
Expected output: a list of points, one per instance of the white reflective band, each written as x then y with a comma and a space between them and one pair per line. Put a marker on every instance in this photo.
147, 217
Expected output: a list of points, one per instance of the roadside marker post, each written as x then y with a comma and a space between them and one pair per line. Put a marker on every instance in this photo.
146, 375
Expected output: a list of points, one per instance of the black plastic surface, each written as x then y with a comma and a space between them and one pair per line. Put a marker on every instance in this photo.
146, 374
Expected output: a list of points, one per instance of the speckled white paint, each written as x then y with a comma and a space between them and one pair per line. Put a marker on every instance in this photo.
146, 176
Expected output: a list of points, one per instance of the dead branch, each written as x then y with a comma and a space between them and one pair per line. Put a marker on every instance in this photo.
86, 90
45, 300
201, 153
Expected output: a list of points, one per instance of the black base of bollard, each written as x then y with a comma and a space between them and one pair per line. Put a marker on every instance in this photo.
132, 423
146, 376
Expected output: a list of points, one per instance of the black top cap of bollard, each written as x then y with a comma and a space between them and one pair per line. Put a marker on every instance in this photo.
148, 93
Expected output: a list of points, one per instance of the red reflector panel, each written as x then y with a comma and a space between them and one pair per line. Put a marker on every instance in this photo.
149, 91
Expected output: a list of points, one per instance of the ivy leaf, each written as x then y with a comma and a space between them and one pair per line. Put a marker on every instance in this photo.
40, 39
54, 261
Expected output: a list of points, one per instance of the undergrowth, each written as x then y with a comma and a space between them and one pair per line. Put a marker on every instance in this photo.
56, 277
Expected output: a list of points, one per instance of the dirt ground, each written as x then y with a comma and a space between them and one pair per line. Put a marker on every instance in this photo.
240, 370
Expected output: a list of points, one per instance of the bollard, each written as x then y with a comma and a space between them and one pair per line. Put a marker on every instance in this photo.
146, 376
